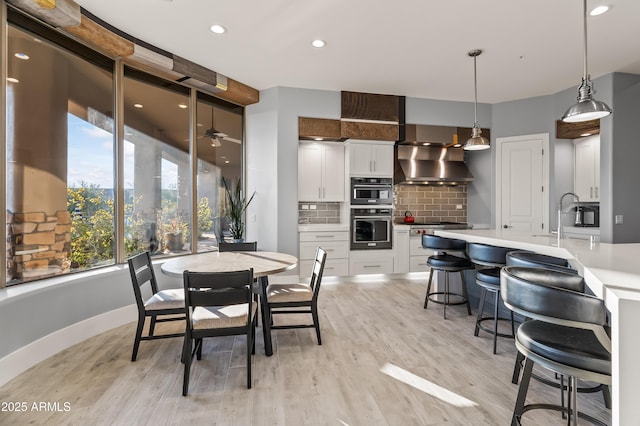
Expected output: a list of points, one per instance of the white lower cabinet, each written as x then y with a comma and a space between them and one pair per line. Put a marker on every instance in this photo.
370, 262
335, 243
418, 255
401, 256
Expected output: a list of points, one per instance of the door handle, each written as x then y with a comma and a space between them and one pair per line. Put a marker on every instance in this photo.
506, 226
591, 191
596, 192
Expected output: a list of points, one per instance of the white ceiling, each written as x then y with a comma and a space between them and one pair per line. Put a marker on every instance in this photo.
415, 48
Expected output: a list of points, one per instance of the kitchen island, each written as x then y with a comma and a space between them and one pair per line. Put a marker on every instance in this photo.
612, 272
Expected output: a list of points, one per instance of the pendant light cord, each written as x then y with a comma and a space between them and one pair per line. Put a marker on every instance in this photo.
475, 92
584, 28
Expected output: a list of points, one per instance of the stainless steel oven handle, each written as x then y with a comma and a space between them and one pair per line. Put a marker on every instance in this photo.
370, 185
372, 217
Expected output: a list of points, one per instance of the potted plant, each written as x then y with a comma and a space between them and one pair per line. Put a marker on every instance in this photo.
175, 231
237, 204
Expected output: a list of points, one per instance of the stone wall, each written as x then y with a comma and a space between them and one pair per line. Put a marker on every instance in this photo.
38, 244
431, 203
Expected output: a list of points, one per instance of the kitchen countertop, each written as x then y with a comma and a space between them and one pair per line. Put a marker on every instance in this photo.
612, 272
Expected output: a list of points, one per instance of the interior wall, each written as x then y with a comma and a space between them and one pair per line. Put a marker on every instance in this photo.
622, 160
272, 160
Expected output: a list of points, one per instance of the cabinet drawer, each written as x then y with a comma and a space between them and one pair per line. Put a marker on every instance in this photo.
373, 266
332, 267
418, 263
325, 236
416, 248
334, 249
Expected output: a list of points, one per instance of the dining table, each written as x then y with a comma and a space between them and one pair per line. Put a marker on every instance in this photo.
263, 263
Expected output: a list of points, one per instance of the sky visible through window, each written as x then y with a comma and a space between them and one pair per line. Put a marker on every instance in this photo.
90, 158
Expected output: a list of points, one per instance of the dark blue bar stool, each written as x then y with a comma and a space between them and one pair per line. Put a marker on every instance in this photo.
490, 259
447, 263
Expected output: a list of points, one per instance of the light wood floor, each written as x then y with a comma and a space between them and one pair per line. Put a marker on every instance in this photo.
376, 340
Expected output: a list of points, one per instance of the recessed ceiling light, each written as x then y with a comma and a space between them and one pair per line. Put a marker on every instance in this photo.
13, 80
426, 143
137, 105
586, 134
599, 10
218, 29
318, 43
226, 162
457, 145
317, 139
22, 56
183, 106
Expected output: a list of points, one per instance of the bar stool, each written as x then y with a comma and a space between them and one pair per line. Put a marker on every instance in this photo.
529, 259
491, 259
567, 335
447, 263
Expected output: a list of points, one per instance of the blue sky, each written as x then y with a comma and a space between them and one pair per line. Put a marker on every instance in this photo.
90, 157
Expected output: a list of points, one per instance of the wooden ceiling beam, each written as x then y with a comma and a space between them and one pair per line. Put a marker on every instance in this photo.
58, 13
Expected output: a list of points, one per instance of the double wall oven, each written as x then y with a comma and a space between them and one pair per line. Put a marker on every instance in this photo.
371, 213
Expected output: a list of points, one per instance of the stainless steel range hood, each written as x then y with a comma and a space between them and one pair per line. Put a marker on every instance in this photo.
439, 165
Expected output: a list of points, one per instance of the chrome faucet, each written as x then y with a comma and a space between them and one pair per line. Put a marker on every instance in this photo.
577, 219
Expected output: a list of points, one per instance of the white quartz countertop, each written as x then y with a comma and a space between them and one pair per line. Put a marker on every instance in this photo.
323, 227
616, 266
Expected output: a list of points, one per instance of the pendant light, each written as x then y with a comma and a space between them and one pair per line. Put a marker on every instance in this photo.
587, 108
476, 142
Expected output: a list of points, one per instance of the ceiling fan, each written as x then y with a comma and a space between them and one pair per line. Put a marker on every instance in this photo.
216, 136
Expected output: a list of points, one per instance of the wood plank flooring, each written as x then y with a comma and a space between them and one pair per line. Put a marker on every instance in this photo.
384, 361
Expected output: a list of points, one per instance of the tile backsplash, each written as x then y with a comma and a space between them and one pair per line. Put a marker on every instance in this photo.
318, 212
430, 203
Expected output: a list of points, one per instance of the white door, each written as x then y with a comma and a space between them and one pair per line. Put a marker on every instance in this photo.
522, 180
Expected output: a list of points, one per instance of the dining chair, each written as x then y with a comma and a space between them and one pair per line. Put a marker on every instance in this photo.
299, 298
245, 246
218, 304
161, 306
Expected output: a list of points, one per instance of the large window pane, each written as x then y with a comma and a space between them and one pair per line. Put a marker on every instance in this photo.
219, 141
59, 161
156, 166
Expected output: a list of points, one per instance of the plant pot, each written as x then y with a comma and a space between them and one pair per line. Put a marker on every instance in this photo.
175, 242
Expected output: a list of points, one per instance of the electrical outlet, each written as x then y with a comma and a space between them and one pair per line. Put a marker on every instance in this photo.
305, 207
619, 219
312, 207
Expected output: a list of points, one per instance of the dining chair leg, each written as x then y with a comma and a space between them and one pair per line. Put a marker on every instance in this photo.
249, 351
136, 342
152, 326
186, 354
314, 314
266, 316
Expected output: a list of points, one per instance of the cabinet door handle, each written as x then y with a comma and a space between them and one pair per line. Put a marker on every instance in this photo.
324, 193
591, 191
370, 165
596, 192
374, 166
371, 266
325, 236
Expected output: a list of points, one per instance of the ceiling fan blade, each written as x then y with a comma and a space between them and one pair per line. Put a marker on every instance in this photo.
230, 139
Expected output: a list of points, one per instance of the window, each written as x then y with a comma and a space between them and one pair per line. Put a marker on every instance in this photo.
61, 183
156, 166
59, 147
219, 148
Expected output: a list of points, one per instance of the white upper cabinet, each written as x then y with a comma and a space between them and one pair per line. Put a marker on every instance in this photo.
321, 171
370, 159
587, 168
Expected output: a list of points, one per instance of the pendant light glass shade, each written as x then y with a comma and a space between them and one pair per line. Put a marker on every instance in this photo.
477, 142
587, 108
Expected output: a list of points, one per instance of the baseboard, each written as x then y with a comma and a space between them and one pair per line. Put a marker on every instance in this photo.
26, 357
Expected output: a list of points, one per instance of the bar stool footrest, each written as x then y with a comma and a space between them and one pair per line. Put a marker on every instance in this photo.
559, 408
461, 299
490, 330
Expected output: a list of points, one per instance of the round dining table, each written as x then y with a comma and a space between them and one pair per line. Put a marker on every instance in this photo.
264, 263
